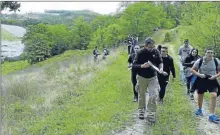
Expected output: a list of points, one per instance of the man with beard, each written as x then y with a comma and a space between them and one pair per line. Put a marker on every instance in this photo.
147, 78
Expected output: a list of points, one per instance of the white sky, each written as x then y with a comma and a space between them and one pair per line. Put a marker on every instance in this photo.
99, 7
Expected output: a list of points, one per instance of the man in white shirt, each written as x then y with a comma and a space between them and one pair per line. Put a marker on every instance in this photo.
183, 52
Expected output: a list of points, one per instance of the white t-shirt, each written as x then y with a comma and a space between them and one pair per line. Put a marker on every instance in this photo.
184, 51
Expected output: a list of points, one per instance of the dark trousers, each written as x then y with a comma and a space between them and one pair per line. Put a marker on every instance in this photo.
188, 80
163, 81
134, 82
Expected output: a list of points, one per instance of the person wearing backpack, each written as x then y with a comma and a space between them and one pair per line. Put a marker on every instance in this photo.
188, 63
95, 53
207, 71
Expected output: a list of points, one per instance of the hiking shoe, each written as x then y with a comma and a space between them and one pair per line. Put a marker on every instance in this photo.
141, 114
191, 96
188, 92
135, 99
199, 112
213, 118
151, 117
161, 101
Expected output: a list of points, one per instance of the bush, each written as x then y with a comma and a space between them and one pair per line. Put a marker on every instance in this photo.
167, 37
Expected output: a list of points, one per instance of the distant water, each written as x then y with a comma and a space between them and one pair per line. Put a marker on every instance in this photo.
12, 48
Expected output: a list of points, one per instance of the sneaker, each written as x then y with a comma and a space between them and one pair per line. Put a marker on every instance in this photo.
213, 118
151, 117
188, 92
141, 114
199, 112
161, 101
191, 96
135, 99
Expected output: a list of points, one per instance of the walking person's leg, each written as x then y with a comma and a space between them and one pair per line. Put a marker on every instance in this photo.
163, 84
152, 103
188, 80
212, 116
134, 82
142, 84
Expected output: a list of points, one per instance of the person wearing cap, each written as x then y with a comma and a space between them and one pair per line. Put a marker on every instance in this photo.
133, 72
183, 52
147, 78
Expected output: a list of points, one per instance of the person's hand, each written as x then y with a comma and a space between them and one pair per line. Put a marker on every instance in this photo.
145, 65
161, 71
129, 65
201, 75
192, 62
212, 78
164, 73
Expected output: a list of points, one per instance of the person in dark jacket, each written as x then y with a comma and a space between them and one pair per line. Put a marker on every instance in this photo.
188, 63
168, 66
134, 72
147, 78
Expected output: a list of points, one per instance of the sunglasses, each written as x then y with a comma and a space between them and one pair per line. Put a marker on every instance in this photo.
210, 52
163, 51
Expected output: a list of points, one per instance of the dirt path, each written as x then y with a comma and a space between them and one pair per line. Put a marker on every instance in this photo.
139, 127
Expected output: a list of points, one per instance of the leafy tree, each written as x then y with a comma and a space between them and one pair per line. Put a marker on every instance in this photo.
81, 34
11, 5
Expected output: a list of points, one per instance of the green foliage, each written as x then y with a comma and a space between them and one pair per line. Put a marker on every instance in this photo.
37, 48
81, 34
12, 5
167, 37
205, 21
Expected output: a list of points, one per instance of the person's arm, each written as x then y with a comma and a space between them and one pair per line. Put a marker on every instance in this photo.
137, 64
129, 61
159, 61
187, 62
172, 68
179, 54
218, 69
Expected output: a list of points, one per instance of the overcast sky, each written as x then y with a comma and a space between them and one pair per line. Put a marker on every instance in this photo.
100, 7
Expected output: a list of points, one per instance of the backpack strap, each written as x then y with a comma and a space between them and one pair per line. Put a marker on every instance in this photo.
215, 60
200, 63
216, 64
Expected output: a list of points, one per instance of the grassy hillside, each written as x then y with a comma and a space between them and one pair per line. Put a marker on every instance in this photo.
82, 98
10, 67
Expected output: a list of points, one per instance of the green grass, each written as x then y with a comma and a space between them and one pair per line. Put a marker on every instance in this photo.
105, 105
8, 36
95, 107
10, 67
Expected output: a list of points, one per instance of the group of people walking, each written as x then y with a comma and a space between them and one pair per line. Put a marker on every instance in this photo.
96, 53
150, 72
